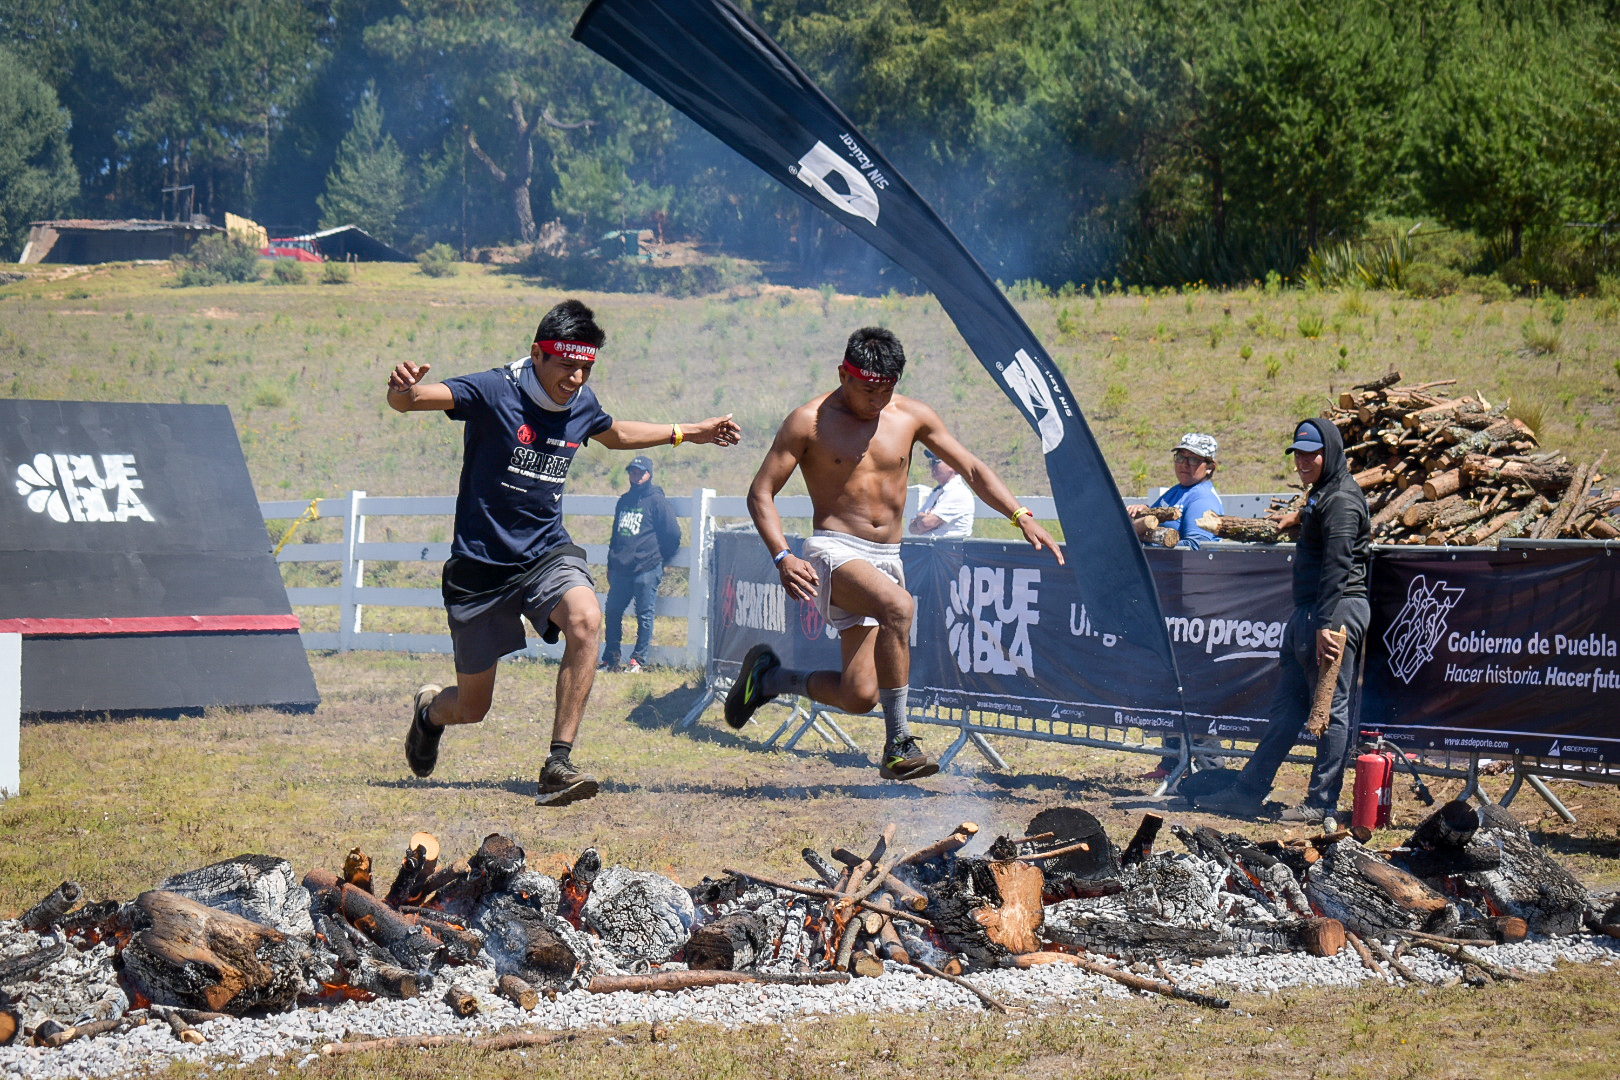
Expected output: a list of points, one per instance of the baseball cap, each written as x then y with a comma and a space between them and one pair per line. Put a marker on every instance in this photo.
642, 462
1198, 443
1306, 438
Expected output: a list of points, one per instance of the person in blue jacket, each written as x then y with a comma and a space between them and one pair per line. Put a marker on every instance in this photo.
646, 535
1194, 493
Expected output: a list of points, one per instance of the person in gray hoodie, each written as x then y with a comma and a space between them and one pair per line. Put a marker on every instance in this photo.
1331, 560
646, 535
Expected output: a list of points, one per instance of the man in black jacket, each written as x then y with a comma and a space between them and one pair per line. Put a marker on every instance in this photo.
1331, 560
645, 537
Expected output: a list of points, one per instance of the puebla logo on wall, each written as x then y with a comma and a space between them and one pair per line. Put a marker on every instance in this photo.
83, 487
988, 620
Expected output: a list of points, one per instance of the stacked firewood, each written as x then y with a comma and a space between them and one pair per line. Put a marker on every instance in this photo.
1448, 470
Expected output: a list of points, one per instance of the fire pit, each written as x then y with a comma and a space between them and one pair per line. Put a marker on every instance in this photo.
246, 958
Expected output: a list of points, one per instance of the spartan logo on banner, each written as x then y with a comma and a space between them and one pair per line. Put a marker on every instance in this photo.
1412, 638
70, 487
988, 620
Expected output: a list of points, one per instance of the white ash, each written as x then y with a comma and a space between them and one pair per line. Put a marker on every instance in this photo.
263, 888
639, 915
297, 1035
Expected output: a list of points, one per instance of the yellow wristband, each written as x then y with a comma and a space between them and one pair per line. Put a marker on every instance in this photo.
676, 435
1020, 512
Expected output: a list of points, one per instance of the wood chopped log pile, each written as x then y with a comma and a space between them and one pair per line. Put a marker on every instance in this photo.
245, 934
1439, 469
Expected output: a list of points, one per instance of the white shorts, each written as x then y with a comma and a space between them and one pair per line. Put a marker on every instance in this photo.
827, 550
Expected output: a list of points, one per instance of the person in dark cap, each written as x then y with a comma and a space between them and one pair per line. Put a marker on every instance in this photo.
1331, 560
646, 535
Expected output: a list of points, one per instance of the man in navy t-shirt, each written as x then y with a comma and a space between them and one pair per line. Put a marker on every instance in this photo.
512, 557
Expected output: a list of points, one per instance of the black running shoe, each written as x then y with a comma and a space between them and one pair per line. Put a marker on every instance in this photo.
747, 694
422, 741
561, 784
905, 760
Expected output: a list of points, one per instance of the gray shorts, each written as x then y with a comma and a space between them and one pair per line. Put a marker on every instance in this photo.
484, 631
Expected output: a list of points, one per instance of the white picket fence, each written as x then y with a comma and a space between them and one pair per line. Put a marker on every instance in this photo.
703, 509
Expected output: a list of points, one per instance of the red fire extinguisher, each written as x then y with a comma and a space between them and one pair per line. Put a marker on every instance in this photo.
1375, 789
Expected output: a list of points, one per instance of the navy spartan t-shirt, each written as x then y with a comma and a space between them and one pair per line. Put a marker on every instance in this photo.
515, 462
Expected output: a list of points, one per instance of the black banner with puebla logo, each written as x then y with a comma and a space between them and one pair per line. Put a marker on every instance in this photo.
1000, 629
135, 564
710, 61
1496, 653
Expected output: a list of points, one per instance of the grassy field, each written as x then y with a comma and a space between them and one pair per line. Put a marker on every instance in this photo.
119, 806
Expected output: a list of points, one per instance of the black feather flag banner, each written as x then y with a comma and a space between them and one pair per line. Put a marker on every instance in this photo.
710, 61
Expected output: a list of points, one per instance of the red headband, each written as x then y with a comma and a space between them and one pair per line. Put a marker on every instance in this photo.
568, 349
870, 376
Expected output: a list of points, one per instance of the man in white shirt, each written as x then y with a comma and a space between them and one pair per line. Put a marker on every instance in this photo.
947, 513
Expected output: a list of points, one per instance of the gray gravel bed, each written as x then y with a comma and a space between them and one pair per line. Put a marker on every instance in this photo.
296, 1037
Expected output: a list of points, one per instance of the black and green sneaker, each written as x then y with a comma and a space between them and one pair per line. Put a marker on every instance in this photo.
905, 760
746, 694
422, 740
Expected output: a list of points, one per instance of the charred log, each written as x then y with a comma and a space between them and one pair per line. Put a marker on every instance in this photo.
262, 888
186, 953
734, 942
52, 908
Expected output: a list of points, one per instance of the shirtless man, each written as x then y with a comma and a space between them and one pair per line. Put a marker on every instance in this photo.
853, 446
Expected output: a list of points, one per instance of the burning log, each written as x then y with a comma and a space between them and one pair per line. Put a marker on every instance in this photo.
1369, 895
1140, 848
357, 869
991, 909
413, 945
736, 941
825, 870
384, 980
532, 943
959, 839
53, 907
29, 964
639, 915
1070, 826
830, 894
186, 953
262, 888
421, 860
1486, 857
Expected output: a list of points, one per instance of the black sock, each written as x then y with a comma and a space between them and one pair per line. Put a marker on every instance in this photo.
560, 750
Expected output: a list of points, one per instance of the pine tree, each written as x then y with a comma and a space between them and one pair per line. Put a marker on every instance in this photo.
369, 185
37, 177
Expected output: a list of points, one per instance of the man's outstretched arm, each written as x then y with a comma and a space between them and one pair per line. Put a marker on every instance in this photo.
408, 393
932, 433
640, 435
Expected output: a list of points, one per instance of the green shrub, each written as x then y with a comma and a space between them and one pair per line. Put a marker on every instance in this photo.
1432, 279
1545, 340
214, 260
438, 261
1608, 287
336, 273
286, 272
1311, 324
1491, 290
634, 275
